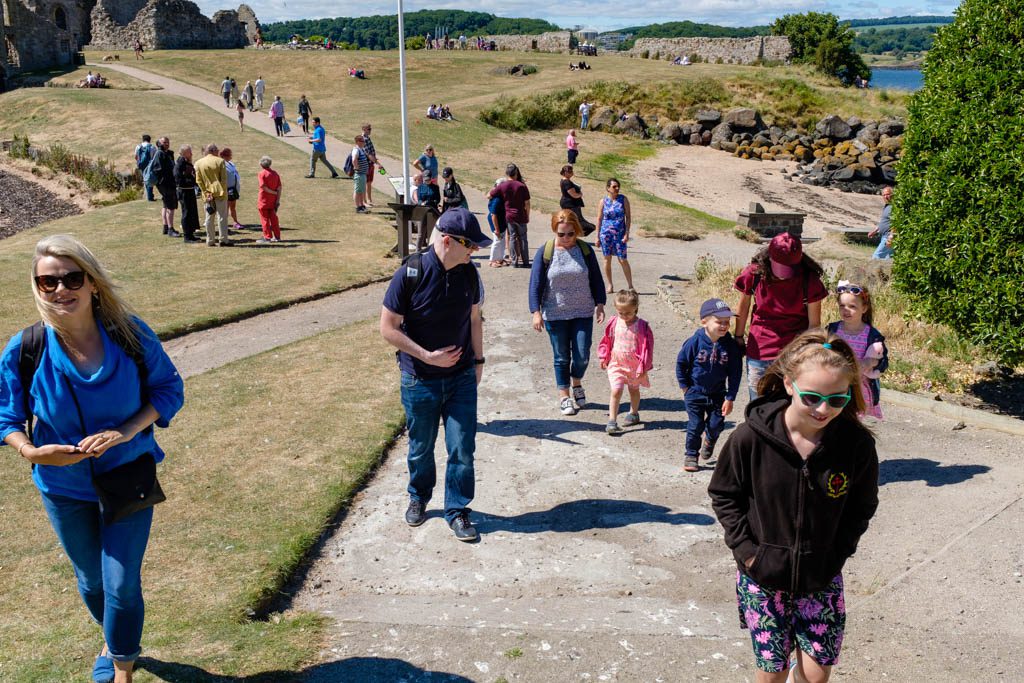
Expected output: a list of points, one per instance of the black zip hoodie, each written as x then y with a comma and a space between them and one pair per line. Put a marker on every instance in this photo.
800, 520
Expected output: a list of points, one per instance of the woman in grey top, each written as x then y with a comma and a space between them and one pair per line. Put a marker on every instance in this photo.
566, 293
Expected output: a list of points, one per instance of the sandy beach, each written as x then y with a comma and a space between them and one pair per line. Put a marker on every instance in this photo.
720, 184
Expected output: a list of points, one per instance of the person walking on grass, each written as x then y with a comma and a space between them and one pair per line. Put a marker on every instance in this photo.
708, 369
319, 152
259, 87
277, 113
212, 177
305, 112
566, 295
371, 153
185, 181
162, 171
795, 488
97, 380
516, 196
614, 219
268, 202
431, 314
225, 91
234, 187
627, 353
360, 167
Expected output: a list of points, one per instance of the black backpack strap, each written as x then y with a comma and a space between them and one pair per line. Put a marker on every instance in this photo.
33, 343
413, 276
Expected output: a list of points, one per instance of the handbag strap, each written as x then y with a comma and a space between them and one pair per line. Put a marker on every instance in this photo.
81, 418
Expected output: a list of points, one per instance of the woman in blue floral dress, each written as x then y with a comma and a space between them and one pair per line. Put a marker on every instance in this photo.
614, 219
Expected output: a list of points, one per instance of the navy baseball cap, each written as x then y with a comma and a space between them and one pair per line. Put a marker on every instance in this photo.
715, 307
460, 222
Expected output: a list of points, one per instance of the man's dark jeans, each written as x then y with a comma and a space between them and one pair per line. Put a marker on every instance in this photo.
426, 402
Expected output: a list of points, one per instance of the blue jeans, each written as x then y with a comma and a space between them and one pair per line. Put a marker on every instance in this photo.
585, 120
883, 251
108, 565
703, 414
570, 342
755, 371
149, 193
426, 402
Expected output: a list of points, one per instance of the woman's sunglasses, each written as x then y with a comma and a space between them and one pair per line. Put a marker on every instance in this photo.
48, 283
566, 234
813, 399
849, 289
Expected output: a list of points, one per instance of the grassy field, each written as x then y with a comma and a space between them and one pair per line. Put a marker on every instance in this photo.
176, 286
115, 80
250, 487
469, 81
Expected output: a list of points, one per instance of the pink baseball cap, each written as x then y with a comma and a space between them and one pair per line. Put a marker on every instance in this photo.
785, 252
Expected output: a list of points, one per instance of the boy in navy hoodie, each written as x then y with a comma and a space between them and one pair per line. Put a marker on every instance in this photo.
708, 369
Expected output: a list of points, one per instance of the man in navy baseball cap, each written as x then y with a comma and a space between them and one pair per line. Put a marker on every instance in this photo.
461, 224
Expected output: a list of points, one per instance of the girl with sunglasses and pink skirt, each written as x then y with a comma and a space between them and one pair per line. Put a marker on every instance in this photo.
794, 488
854, 328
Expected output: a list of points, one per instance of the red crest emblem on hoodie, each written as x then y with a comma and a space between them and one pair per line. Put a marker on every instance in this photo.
837, 485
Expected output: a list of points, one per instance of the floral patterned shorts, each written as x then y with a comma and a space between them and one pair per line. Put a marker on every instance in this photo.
816, 622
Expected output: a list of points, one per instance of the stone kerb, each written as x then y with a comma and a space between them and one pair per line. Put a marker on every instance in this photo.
554, 41
714, 50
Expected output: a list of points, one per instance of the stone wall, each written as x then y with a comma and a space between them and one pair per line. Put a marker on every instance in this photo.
728, 50
31, 41
168, 25
73, 13
555, 41
251, 22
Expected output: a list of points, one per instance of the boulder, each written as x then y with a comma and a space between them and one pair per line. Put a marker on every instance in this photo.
697, 138
834, 128
892, 127
744, 118
708, 118
705, 137
891, 146
844, 174
854, 123
727, 146
672, 132
722, 132
761, 141
631, 125
889, 174
776, 134
869, 135
603, 119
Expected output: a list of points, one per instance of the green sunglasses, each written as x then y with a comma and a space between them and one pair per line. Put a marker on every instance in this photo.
813, 399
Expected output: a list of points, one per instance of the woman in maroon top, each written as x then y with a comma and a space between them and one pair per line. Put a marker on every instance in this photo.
781, 295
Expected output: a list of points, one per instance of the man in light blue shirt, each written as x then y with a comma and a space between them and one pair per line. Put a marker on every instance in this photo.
884, 230
319, 141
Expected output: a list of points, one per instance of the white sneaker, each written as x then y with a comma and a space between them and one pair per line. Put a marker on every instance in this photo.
567, 406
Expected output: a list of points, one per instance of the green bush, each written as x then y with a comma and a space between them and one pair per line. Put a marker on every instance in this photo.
957, 209
820, 39
19, 147
415, 43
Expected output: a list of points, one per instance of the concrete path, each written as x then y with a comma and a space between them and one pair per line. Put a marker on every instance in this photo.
600, 559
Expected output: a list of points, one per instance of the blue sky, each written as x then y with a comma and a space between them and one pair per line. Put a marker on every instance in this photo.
603, 15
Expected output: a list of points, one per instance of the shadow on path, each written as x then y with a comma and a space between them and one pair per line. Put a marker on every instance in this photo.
361, 669
590, 513
551, 430
930, 472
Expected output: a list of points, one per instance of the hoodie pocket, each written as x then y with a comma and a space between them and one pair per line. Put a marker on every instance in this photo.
817, 569
772, 567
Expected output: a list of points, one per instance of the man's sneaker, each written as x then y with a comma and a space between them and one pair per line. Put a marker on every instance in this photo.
263, 240
690, 464
579, 396
567, 406
171, 232
309, 176
631, 420
416, 513
360, 209
464, 530
612, 427
335, 176
707, 449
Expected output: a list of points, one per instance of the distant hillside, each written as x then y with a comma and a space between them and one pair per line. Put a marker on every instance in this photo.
896, 40
930, 19
689, 29
380, 32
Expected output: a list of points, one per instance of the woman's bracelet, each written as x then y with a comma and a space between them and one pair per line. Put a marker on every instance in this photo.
22, 447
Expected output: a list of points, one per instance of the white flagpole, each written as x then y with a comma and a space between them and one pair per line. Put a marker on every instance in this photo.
406, 194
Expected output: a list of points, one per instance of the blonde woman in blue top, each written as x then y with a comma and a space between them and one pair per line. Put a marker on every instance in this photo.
91, 415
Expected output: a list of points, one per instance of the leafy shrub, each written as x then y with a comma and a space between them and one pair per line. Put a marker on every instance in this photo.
529, 69
818, 38
19, 147
415, 43
957, 212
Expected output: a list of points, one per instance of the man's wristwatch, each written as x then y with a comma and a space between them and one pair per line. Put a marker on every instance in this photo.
479, 361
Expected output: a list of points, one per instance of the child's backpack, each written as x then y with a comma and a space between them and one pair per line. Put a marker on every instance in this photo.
350, 169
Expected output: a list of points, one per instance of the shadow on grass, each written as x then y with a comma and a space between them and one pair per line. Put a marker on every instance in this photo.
362, 669
930, 472
591, 513
1006, 395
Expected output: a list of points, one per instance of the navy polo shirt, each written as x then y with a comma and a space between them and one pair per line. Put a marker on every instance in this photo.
437, 314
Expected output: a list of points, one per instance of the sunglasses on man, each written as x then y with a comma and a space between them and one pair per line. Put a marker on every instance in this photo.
48, 283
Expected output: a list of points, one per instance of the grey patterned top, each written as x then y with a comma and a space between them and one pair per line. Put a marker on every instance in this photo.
567, 295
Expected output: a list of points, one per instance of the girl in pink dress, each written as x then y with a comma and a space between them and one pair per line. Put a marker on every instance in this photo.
626, 352
867, 343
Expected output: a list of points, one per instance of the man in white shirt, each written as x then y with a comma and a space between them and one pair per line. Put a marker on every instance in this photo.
261, 87
584, 115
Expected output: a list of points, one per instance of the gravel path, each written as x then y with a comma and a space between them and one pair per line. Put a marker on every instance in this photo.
25, 204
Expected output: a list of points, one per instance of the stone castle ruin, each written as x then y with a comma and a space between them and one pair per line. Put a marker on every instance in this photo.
42, 34
717, 50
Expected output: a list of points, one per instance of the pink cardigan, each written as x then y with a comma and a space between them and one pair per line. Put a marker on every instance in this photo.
644, 343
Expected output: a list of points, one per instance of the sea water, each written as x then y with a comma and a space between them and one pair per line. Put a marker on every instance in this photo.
897, 79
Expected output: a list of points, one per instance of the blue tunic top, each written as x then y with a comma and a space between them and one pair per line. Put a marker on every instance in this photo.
107, 397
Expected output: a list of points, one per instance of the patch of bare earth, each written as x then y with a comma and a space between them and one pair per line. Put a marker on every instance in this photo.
26, 200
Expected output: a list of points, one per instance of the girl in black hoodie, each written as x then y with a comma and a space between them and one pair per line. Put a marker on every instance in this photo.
794, 488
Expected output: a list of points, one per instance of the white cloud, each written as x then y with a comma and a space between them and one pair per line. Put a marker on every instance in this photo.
612, 14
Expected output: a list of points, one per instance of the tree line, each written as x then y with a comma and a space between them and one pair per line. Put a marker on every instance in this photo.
897, 40
380, 32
